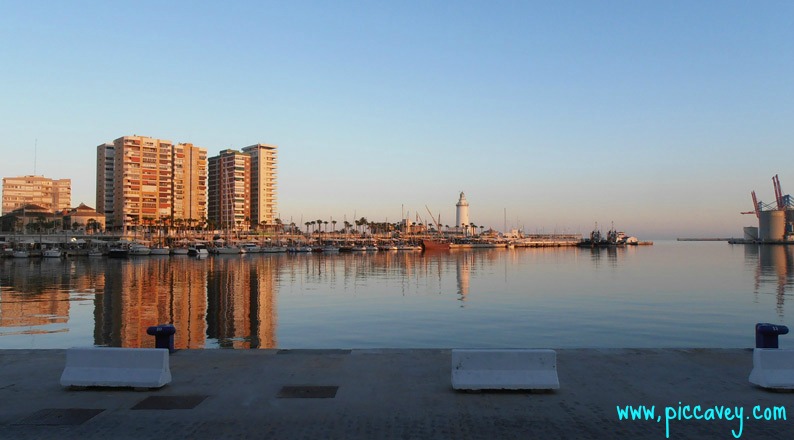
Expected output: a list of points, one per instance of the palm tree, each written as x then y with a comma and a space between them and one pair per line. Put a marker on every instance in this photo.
362, 222
307, 226
333, 224
325, 226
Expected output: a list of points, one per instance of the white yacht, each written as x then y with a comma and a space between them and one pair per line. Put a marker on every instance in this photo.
52, 253
227, 250
198, 250
161, 250
251, 248
140, 249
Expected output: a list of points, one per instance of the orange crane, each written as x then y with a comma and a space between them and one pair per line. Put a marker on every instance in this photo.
755, 204
778, 193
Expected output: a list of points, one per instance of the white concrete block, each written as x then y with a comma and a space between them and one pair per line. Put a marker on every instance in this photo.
773, 368
504, 369
116, 367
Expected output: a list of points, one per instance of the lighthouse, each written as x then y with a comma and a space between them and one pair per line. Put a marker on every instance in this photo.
462, 212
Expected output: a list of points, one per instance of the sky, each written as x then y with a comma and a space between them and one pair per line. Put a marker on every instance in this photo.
659, 117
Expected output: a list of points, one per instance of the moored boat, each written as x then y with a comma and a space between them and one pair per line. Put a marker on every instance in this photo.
435, 245
227, 250
118, 252
52, 253
273, 249
300, 249
251, 248
161, 250
139, 249
408, 247
198, 250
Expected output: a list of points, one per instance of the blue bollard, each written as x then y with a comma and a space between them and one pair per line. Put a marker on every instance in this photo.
766, 334
163, 336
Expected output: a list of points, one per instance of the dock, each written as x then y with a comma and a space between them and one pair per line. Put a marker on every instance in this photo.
390, 394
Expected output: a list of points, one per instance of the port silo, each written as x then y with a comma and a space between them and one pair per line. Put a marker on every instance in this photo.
772, 225
751, 232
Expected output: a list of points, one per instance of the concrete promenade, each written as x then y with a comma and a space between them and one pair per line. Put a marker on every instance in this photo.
399, 394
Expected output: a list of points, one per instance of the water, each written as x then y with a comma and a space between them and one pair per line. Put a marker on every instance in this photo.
672, 294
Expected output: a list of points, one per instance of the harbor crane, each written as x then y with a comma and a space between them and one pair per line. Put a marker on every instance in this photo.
757, 211
782, 201
438, 226
778, 192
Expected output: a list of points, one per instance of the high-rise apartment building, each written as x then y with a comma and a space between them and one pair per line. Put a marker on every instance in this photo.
104, 179
52, 195
229, 198
144, 180
190, 182
263, 183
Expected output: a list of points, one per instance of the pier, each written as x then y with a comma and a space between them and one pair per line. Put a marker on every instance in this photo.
384, 394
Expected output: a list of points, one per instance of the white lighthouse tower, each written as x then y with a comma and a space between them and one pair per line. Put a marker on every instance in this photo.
462, 212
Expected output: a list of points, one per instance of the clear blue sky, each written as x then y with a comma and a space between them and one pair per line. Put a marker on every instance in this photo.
659, 116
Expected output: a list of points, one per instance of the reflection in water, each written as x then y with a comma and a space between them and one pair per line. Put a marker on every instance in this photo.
36, 295
610, 253
226, 302
241, 304
671, 295
143, 292
775, 267
463, 270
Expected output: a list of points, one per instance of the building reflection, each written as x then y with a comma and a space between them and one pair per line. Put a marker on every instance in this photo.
224, 301
147, 291
241, 311
228, 300
33, 297
775, 268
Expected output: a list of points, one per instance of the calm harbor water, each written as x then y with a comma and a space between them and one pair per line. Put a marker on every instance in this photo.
672, 294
